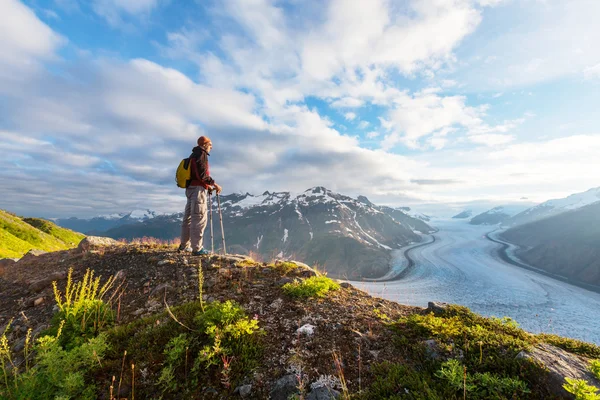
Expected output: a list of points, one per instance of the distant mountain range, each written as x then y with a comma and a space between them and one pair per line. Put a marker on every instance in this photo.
349, 237
555, 207
567, 244
497, 215
19, 235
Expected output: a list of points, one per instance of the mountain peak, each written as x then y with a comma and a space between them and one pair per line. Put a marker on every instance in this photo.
364, 200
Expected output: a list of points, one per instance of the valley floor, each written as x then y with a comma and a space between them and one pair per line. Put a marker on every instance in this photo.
463, 267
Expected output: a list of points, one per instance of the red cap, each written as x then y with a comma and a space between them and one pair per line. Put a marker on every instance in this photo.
202, 140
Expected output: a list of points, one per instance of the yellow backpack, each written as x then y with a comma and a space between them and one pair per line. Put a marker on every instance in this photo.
183, 176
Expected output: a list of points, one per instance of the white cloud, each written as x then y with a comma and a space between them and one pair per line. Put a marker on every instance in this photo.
363, 125
25, 39
114, 10
545, 41
592, 72
350, 116
372, 134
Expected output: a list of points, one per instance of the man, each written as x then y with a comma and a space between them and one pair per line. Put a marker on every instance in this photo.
195, 216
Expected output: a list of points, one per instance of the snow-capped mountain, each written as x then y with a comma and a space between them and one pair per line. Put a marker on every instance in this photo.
555, 207
347, 236
464, 214
497, 215
103, 223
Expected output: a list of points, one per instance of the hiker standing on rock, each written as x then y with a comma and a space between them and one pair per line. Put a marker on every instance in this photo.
196, 215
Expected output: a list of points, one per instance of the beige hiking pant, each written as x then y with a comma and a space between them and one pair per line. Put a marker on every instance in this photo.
194, 218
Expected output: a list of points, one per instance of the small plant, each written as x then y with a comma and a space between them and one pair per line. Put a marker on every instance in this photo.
57, 372
175, 352
201, 286
479, 385
316, 286
230, 334
5, 354
595, 368
82, 308
580, 389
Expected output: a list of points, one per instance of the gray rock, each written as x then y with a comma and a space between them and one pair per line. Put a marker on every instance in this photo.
561, 364
164, 262
41, 284
432, 349
346, 285
285, 387
437, 307
245, 391
283, 281
323, 393
38, 302
95, 242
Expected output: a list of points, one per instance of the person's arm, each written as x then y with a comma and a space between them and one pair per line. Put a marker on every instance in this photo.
203, 171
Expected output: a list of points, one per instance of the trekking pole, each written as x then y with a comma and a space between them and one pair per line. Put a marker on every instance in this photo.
221, 219
210, 216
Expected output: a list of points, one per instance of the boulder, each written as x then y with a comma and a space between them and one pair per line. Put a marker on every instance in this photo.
560, 364
437, 307
41, 284
96, 242
284, 387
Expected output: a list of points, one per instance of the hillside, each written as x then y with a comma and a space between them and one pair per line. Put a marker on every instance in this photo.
555, 207
347, 237
19, 235
227, 327
567, 244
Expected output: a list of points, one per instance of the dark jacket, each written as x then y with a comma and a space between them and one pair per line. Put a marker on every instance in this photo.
201, 172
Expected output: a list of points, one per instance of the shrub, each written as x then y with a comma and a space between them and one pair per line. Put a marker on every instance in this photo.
316, 286
595, 368
57, 372
228, 331
399, 381
581, 390
82, 309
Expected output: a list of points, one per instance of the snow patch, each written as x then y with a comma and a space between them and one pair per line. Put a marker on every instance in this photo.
285, 235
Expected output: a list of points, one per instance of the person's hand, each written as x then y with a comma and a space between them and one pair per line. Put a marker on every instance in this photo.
218, 188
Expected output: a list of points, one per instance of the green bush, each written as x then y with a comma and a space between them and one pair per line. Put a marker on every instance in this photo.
581, 390
595, 368
56, 372
316, 286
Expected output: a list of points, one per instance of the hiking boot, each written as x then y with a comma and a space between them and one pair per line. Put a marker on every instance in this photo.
201, 252
181, 249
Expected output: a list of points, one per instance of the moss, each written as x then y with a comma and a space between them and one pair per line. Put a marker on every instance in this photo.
316, 286
571, 345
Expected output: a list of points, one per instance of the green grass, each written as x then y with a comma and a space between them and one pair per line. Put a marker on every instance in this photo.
316, 286
18, 236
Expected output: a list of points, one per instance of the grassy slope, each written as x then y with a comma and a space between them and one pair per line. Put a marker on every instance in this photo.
18, 236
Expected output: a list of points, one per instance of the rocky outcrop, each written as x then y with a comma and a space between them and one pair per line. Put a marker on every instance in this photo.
96, 242
6, 263
560, 364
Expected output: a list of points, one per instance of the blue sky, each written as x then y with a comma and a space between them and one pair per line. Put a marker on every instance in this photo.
421, 103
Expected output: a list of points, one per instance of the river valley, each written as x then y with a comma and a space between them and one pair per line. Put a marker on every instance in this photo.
462, 266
